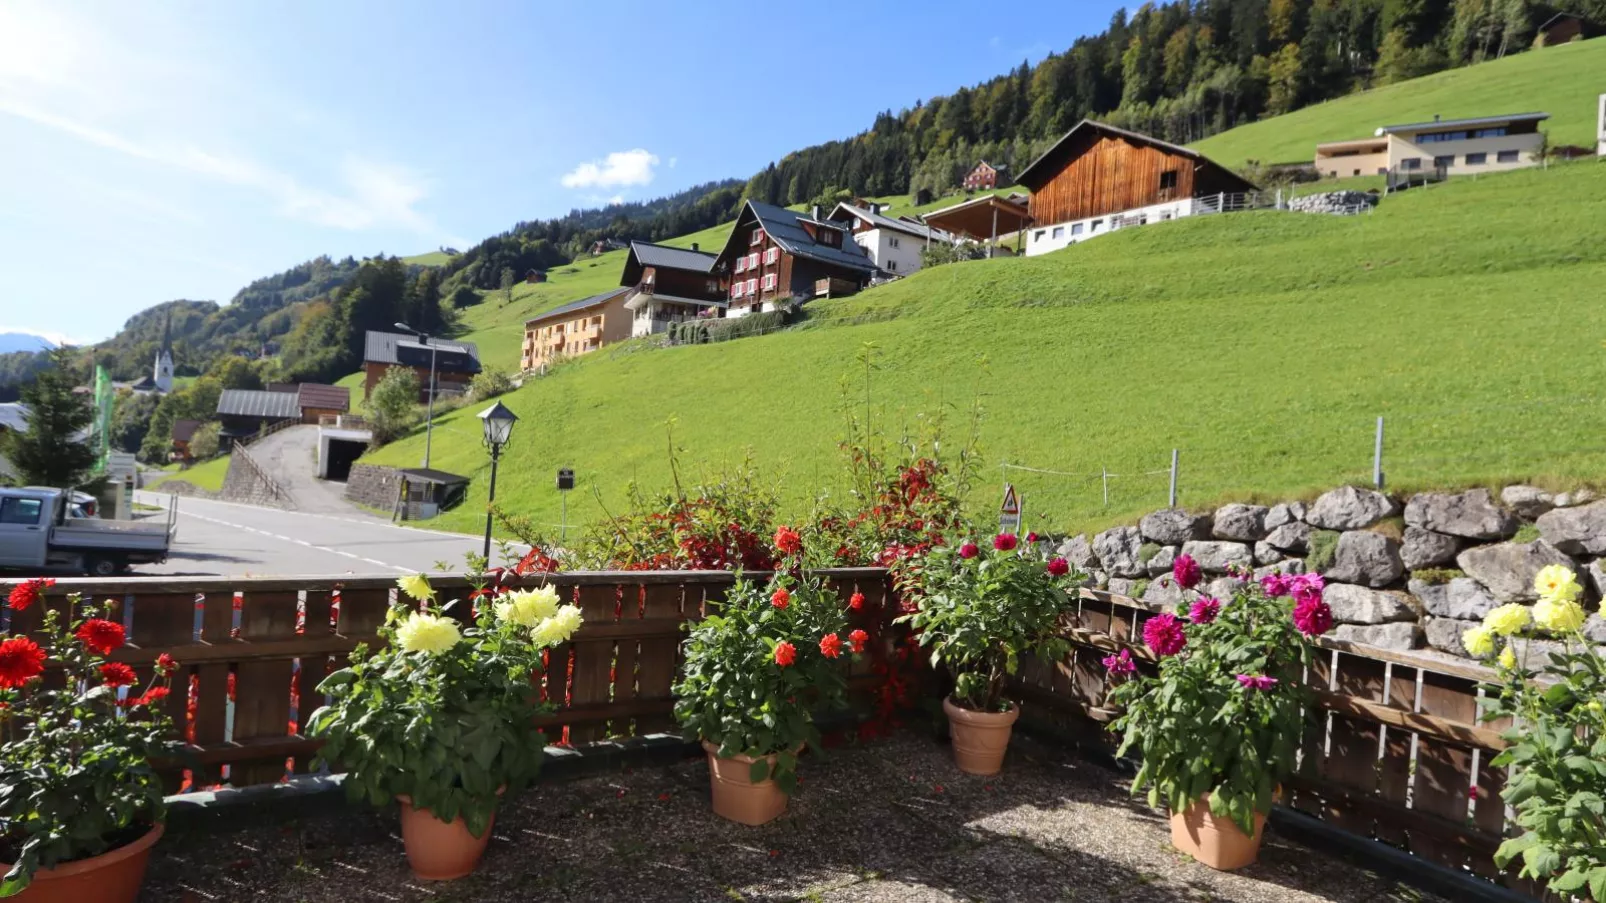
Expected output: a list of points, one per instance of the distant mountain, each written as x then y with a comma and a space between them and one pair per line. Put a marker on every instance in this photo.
22, 341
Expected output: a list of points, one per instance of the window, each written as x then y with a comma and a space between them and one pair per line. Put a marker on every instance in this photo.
1506, 157
741, 264
1168, 180
757, 237
1490, 133
831, 238
1096, 224
752, 261
893, 240
736, 289
1059, 232
1077, 228
772, 255
1444, 162
713, 286
892, 266
20, 511
769, 281
1038, 235
752, 286
1411, 164
1477, 159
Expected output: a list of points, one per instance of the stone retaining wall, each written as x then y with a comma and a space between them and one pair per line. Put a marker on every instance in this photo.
373, 486
1402, 574
244, 483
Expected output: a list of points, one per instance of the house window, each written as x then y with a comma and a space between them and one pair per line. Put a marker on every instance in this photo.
736, 289
831, 238
1444, 162
892, 266
757, 236
1168, 180
752, 261
1059, 232
1076, 228
1038, 236
1411, 164
1477, 159
741, 264
1490, 133
769, 281
894, 241
752, 286
1506, 157
772, 255
1096, 224
713, 286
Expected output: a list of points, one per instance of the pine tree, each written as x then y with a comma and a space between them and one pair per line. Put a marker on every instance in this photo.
53, 450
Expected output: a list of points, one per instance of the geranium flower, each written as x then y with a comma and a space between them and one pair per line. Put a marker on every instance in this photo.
856, 601
1164, 634
28, 592
416, 586
1256, 681
1306, 586
432, 634
1275, 585
117, 674
858, 638
781, 598
149, 697
785, 653
1004, 542
787, 541
1205, 610
1186, 571
830, 645
21, 660
1059, 567
969, 550
1312, 616
100, 635
1120, 664
166, 665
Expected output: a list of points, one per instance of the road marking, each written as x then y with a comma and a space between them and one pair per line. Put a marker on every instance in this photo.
302, 542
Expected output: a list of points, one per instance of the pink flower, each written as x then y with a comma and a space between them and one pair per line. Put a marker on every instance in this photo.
1306, 586
1163, 634
1312, 616
1186, 571
1256, 681
1031, 537
1004, 542
969, 550
1275, 585
1120, 665
1059, 567
1205, 610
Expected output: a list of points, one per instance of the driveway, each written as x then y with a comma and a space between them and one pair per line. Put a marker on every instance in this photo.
290, 457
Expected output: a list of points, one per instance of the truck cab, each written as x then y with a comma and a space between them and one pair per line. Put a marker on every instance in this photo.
37, 534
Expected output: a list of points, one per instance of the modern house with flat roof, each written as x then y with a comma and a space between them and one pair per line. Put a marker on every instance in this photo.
576, 328
1458, 146
669, 285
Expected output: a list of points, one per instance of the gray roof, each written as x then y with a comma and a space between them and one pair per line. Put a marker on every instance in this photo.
786, 228
258, 403
582, 304
454, 356
651, 255
1463, 123
14, 416
920, 230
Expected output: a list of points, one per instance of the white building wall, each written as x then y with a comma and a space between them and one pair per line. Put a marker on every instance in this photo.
896, 252
1526, 146
1044, 239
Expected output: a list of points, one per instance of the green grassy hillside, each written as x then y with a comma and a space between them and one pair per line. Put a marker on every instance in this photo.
1262, 345
432, 259
207, 475
1564, 81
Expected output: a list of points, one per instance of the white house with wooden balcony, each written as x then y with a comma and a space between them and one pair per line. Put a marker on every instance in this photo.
669, 285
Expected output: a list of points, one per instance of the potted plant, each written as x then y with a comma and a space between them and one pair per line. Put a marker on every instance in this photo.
979, 611
1552, 695
441, 718
80, 803
755, 672
1218, 727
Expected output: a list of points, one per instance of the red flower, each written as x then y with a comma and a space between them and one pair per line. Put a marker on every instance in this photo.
968, 550
1059, 567
21, 660
150, 697
787, 541
1186, 571
781, 598
1312, 616
1031, 537
117, 674
856, 601
830, 645
28, 592
1163, 634
166, 665
101, 635
1004, 542
785, 653
858, 638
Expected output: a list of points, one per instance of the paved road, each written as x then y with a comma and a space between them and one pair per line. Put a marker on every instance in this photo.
228, 539
290, 457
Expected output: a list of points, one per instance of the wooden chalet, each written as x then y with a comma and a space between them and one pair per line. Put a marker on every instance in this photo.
669, 285
455, 363
1099, 177
984, 177
776, 258
1564, 28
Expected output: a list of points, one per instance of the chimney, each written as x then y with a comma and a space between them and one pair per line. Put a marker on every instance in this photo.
875, 208
694, 246
814, 213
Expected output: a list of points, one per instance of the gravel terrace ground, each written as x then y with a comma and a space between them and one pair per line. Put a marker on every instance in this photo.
890, 822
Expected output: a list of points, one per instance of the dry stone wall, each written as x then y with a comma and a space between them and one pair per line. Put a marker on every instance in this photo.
373, 485
1402, 573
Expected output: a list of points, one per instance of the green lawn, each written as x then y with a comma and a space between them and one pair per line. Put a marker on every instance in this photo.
432, 259
1564, 81
1262, 345
207, 475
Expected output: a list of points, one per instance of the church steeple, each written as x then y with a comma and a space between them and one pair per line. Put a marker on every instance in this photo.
163, 375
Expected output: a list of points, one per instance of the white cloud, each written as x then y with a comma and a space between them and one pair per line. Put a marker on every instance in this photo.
54, 338
618, 169
616, 200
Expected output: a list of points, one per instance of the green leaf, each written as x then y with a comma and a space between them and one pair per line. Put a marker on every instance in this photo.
759, 770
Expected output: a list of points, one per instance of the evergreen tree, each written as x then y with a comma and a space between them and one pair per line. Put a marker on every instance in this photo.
54, 450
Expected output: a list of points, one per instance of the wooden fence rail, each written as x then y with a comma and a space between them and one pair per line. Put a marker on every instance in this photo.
1398, 753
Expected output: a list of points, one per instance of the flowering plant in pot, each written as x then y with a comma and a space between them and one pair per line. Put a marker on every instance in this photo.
755, 672
1217, 729
981, 610
80, 803
442, 717
1552, 681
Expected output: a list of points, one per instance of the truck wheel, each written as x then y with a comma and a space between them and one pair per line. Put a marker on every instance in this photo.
103, 567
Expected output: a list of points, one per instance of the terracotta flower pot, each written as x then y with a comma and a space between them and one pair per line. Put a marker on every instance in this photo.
1215, 840
736, 796
979, 738
112, 877
438, 850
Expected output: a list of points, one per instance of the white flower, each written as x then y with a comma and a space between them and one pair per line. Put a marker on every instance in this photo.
427, 633
558, 628
528, 608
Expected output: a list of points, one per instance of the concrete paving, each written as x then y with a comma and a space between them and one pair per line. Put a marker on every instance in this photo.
290, 457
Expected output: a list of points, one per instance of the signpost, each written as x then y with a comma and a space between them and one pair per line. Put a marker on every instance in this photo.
565, 483
1009, 511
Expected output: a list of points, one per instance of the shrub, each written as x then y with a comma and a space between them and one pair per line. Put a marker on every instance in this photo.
939, 253
489, 383
204, 443
393, 406
742, 327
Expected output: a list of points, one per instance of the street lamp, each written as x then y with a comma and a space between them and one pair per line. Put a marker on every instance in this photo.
498, 422
429, 415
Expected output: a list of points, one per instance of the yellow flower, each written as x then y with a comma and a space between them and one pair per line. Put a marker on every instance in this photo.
1508, 658
1559, 615
427, 633
1478, 640
1557, 583
528, 608
558, 628
416, 586
1507, 619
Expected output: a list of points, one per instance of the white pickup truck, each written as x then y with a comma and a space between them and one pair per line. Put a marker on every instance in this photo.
37, 534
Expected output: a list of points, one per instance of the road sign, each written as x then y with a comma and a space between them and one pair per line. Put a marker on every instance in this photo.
565, 478
1009, 511
120, 465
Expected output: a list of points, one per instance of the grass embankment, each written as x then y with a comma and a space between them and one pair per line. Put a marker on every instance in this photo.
207, 475
1564, 81
1262, 345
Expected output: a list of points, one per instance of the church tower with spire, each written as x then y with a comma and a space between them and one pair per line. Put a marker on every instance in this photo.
163, 375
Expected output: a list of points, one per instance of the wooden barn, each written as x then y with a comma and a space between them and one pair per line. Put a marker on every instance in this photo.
1098, 178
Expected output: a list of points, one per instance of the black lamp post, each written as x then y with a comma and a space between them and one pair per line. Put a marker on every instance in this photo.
498, 422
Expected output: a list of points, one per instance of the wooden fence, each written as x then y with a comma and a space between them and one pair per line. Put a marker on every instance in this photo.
1398, 754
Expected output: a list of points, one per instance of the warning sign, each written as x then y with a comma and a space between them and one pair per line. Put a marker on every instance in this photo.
1009, 511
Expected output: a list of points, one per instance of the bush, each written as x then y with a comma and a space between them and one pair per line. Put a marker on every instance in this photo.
940, 253
741, 327
393, 406
205, 443
489, 383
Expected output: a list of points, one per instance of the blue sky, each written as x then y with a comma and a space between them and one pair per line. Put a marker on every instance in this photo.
160, 150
